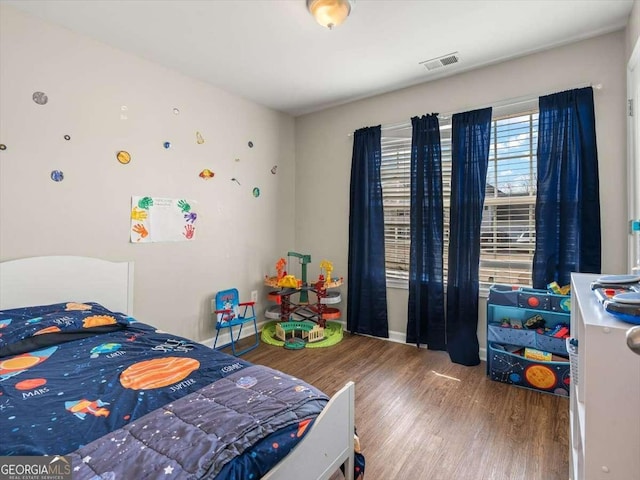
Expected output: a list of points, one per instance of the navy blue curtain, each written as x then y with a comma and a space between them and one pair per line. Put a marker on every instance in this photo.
425, 321
367, 289
470, 158
568, 198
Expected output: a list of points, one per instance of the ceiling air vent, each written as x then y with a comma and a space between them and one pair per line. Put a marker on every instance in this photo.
440, 62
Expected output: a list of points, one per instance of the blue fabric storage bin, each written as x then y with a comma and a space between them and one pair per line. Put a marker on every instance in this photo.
515, 305
511, 368
511, 336
530, 298
551, 344
497, 313
526, 338
503, 295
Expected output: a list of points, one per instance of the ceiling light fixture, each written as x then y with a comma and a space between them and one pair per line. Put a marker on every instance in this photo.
330, 13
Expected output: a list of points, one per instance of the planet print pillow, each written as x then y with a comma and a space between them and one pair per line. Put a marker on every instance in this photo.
25, 329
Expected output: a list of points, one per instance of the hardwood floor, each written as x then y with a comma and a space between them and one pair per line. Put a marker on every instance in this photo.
421, 417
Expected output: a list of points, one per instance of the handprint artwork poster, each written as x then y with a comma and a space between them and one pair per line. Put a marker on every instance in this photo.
156, 219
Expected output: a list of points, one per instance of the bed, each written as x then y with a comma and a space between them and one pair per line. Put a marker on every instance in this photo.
80, 376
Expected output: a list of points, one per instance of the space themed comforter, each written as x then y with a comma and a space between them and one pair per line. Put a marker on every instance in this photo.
128, 401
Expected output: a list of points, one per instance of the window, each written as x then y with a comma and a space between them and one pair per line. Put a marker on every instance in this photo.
507, 240
507, 235
395, 172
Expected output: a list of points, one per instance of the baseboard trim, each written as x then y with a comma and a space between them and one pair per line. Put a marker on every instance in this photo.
225, 338
400, 337
394, 336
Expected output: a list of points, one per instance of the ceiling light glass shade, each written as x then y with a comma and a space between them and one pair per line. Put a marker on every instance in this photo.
329, 13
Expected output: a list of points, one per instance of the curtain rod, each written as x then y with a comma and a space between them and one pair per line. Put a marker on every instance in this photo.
504, 103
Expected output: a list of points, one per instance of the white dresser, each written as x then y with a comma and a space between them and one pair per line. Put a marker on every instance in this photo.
605, 396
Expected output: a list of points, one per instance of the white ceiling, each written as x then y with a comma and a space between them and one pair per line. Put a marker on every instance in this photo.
273, 52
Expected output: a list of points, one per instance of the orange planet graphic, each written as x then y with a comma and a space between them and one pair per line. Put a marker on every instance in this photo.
16, 365
30, 384
540, 376
157, 373
52, 329
97, 321
20, 363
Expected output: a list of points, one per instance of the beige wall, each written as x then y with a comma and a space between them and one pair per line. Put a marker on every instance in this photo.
239, 237
633, 29
304, 207
633, 136
323, 147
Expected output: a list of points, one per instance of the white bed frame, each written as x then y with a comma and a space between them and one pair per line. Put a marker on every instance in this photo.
45, 280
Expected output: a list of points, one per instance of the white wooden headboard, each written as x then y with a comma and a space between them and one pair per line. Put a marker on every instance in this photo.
34, 281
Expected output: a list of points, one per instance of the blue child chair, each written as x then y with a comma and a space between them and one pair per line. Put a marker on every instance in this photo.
228, 316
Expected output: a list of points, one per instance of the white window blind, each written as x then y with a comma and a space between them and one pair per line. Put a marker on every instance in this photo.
508, 222
395, 176
507, 240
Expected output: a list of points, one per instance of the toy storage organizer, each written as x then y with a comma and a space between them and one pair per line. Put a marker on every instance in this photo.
505, 345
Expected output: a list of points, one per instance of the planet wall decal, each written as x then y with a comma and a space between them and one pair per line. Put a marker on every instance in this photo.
40, 98
206, 174
123, 157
